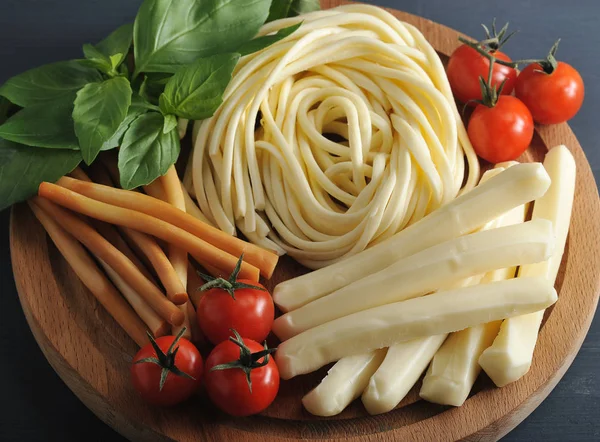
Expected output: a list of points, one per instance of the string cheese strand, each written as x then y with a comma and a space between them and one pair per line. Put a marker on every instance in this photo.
332, 139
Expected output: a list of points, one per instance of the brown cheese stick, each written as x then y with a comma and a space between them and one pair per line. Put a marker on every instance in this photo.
174, 196
139, 253
104, 250
79, 174
194, 282
193, 285
187, 323
112, 235
192, 208
169, 278
91, 276
155, 190
197, 336
157, 325
146, 224
254, 255
213, 271
99, 175
178, 257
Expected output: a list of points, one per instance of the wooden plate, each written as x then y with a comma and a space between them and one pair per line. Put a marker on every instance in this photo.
92, 355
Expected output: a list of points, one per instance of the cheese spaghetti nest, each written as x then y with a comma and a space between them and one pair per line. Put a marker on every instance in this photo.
332, 139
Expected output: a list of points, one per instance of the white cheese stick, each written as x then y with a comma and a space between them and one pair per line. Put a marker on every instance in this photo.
403, 365
509, 358
405, 362
455, 366
401, 369
345, 381
426, 271
442, 312
513, 187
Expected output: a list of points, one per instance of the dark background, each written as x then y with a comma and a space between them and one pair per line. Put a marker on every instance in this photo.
37, 406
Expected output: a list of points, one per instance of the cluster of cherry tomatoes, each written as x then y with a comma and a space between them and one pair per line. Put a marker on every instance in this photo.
239, 375
501, 126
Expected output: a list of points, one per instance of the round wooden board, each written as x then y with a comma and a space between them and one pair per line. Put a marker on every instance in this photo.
92, 355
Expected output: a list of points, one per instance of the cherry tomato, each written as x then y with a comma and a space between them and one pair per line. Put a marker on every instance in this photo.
465, 67
503, 132
183, 372
551, 98
250, 311
231, 389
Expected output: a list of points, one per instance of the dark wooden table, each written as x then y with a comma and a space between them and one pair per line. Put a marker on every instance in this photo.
37, 406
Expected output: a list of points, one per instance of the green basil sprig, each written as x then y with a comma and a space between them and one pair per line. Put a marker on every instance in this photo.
99, 110
117, 43
185, 52
196, 91
111, 52
170, 34
138, 107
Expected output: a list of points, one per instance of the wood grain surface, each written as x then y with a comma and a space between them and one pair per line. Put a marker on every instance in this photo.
92, 355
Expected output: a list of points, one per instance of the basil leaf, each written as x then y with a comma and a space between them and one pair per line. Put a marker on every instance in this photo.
99, 110
23, 168
291, 8
153, 85
99, 64
91, 53
116, 60
118, 42
260, 43
48, 83
96, 59
43, 125
169, 34
115, 140
170, 123
135, 110
146, 152
196, 91
108, 55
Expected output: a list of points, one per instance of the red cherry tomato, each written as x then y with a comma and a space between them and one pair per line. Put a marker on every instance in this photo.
465, 67
184, 371
551, 98
503, 132
251, 313
229, 389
